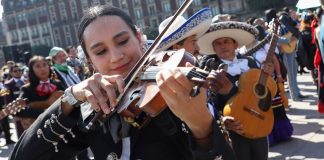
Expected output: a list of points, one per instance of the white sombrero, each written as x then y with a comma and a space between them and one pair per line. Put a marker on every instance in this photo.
241, 32
197, 25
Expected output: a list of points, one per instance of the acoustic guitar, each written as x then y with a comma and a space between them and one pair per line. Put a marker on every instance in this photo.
13, 108
288, 48
19, 104
251, 106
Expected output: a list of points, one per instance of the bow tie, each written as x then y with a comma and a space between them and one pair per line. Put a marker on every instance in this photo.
237, 67
45, 88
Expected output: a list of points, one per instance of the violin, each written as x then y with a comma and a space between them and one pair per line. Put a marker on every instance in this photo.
141, 91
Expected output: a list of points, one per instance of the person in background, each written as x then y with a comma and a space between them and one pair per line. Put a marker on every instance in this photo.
13, 85
74, 62
64, 73
184, 33
41, 91
223, 39
5, 128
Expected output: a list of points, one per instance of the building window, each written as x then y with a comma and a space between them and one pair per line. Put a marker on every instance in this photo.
108, 2
84, 5
24, 33
154, 23
34, 31
48, 41
179, 2
166, 6
140, 23
150, 1
137, 2
123, 4
10, 20
152, 10
14, 35
21, 17
138, 13
197, 2
52, 14
74, 11
95, 2
214, 10
76, 27
45, 29
62, 11
67, 35
42, 11
57, 37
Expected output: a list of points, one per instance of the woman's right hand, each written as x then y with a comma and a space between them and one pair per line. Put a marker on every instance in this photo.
99, 90
232, 124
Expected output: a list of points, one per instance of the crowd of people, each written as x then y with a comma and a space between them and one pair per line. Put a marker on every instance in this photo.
199, 119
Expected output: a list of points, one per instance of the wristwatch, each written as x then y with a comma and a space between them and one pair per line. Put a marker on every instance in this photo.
70, 99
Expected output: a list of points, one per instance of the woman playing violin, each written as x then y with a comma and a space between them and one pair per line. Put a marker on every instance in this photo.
185, 130
39, 90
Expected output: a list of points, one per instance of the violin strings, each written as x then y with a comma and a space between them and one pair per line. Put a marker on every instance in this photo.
196, 74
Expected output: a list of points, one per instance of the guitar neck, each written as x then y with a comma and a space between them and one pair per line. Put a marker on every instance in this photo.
258, 46
271, 51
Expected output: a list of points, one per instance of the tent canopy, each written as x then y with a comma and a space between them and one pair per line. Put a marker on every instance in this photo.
304, 4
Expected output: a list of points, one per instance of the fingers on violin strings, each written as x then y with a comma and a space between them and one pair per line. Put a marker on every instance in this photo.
118, 80
182, 79
173, 83
109, 90
92, 100
165, 91
99, 97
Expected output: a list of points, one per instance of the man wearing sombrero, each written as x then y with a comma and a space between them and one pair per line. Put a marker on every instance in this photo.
223, 39
184, 33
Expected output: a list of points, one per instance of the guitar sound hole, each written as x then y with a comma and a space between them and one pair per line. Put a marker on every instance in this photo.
260, 90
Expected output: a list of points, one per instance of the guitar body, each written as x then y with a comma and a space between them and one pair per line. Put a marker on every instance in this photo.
288, 48
253, 110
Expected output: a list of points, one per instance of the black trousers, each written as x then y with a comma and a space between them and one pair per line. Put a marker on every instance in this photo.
6, 128
250, 149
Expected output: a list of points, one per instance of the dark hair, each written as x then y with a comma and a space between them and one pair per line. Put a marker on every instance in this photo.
99, 11
12, 67
68, 48
270, 14
33, 79
261, 34
250, 20
286, 9
319, 13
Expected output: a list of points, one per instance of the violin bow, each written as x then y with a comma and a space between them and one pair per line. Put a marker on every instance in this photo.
137, 69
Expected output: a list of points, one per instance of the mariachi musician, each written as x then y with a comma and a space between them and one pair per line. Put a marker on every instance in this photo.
184, 130
223, 39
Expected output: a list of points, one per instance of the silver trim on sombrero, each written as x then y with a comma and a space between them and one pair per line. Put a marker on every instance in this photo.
196, 21
233, 25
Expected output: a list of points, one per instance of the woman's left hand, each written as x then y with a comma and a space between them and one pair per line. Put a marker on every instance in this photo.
175, 89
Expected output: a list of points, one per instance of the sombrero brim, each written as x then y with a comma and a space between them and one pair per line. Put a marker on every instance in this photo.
243, 35
197, 25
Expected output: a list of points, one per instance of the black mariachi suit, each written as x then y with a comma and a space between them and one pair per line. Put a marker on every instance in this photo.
244, 148
31, 94
164, 137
